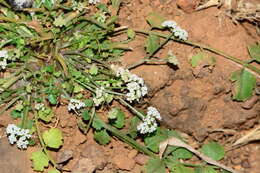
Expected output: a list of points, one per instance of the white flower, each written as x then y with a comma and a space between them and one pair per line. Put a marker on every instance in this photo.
149, 123
93, 1
3, 53
135, 84
153, 112
75, 105
18, 135
39, 106
169, 24
177, 30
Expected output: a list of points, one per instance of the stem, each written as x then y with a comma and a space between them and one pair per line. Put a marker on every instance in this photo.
10, 104
91, 119
162, 44
139, 114
128, 140
236, 60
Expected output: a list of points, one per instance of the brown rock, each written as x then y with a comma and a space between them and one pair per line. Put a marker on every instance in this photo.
95, 152
187, 6
123, 162
64, 156
79, 138
84, 165
141, 159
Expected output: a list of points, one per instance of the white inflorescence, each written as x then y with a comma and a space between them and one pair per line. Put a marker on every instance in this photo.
93, 1
149, 123
135, 85
39, 106
18, 135
75, 105
177, 30
100, 96
3, 59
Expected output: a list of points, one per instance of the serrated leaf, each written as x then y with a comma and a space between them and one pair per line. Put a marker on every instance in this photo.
39, 160
102, 137
130, 33
254, 51
244, 84
117, 117
53, 171
213, 150
60, 21
155, 20
97, 124
46, 115
155, 165
179, 168
152, 43
52, 138
200, 58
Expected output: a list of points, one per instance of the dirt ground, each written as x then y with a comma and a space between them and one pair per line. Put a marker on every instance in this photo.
197, 103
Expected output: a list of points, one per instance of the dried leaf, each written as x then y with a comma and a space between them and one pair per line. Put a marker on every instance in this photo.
177, 142
254, 135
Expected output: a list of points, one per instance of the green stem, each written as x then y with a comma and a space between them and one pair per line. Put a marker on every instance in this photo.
139, 114
236, 60
10, 104
127, 140
162, 44
91, 119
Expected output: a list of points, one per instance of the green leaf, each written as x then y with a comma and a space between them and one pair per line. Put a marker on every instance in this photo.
93, 70
46, 115
155, 20
155, 165
117, 117
53, 171
39, 160
182, 153
200, 58
97, 124
244, 84
85, 115
16, 114
130, 33
206, 169
48, 4
52, 99
152, 43
213, 150
133, 124
52, 138
152, 142
254, 51
88, 102
179, 168
102, 137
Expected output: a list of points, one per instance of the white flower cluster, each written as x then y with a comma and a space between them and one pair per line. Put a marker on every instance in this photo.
75, 105
93, 1
18, 135
3, 59
177, 30
135, 85
39, 106
101, 96
149, 123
